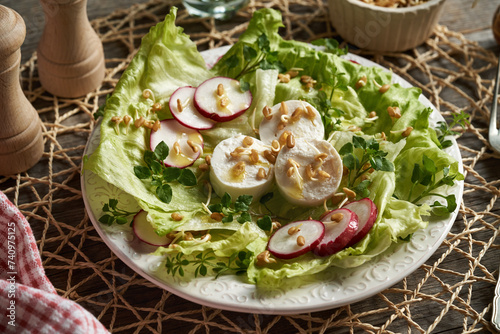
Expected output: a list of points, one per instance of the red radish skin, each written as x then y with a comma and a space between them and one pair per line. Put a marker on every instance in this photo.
187, 114
366, 211
337, 234
172, 132
145, 232
283, 245
208, 99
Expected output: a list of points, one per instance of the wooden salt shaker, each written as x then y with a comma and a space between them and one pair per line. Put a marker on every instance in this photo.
70, 54
21, 143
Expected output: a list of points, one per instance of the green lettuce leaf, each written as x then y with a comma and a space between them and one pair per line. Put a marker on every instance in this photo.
159, 65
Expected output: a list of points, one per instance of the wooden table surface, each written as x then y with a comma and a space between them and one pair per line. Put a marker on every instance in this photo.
474, 23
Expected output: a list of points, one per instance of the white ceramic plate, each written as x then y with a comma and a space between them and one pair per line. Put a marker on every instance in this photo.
329, 289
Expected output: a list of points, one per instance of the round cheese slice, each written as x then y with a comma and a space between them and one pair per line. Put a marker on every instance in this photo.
238, 167
286, 116
308, 173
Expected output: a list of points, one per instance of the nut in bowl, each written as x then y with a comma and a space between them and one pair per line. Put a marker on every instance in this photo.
384, 29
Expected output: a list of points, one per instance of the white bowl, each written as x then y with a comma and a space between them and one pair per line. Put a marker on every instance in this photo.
377, 28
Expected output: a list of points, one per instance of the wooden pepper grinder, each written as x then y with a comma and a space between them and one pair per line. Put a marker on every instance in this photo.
70, 54
21, 143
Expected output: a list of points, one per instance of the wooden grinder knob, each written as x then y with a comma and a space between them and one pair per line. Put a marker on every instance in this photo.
70, 54
21, 143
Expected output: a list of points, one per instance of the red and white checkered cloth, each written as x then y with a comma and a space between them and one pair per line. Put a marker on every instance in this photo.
28, 300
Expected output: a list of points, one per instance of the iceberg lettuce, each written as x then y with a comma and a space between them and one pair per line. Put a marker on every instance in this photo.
168, 59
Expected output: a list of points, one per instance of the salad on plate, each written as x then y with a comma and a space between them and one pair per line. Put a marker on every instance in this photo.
280, 161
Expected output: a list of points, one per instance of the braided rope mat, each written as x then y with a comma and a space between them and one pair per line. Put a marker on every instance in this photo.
454, 286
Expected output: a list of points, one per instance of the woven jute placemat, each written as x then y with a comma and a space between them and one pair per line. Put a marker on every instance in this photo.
454, 286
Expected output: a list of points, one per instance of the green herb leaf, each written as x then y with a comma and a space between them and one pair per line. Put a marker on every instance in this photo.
263, 43
245, 217
362, 189
187, 178
244, 85
416, 174
243, 202
142, 172
226, 200
331, 46
228, 219
347, 149
149, 157
171, 174
121, 220
161, 151
382, 164
232, 61
429, 164
349, 160
107, 219
215, 207
164, 193
359, 142
265, 223
249, 53
156, 167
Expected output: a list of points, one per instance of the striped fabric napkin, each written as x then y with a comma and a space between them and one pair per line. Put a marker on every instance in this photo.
28, 301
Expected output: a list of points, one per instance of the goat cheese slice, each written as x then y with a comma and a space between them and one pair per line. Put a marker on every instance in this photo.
298, 117
308, 173
238, 167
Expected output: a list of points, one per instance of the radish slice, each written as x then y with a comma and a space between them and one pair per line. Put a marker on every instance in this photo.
185, 144
182, 107
337, 234
284, 244
145, 232
221, 99
366, 211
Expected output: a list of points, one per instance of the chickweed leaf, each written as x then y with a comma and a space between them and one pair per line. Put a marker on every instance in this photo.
232, 62
349, 160
263, 43
161, 151
359, 142
249, 53
361, 189
121, 220
346, 149
156, 167
243, 202
244, 85
113, 203
429, 164
149, 157
107, 220
245, 217
164, 193
187, 178
265, 223
226, 200
113, 213
171, 174
215, 207
142, 172
228, 219
331, 46
416, 174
